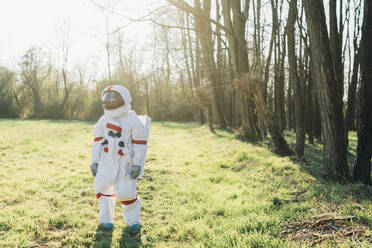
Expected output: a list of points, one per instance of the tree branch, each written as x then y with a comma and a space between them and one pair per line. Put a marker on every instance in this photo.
182, 5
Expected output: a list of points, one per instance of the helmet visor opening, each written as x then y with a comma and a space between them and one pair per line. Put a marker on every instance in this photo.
112, 100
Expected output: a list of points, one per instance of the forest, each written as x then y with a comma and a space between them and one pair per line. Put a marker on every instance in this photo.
260, 68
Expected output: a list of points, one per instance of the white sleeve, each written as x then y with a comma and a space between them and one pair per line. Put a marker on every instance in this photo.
98, 136
139, 141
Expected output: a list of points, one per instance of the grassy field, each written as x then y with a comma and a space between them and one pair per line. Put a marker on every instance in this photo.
199, 190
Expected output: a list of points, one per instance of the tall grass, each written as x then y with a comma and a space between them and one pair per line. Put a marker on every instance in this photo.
199, 190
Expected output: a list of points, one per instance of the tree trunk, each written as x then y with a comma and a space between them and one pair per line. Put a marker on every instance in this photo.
351, 97
335, 47
208, 113
66, 92
316, 122
279, 100
274, 29
281, 146
330, 102
198, 76
309, 108
204, 33
185, 55
290, 107
252, 86
195, 72
147, 98
362, 164
282, 83
298, 105
108, 50
239, 60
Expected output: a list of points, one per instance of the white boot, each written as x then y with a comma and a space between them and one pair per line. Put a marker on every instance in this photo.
106, 209
131, 212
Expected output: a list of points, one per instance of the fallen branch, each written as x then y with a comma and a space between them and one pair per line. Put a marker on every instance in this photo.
301, 192
322, 227
325, 220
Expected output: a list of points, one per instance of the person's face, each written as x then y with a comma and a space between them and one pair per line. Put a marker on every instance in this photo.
112, 100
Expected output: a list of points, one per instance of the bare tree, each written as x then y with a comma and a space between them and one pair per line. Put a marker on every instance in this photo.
203, 32
252, 86
65, 52
293, 78
7, 96
330, 99
108, 49
362, 164
354, 70
235, 16
279, 73
32, 80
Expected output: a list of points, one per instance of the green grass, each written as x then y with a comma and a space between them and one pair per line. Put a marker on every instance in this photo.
199, 190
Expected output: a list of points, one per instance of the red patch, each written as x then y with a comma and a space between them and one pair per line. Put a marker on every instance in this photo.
109, 88
100, 194
105, 149
139, 142
97, 139
120, 152
113, 127
128, 202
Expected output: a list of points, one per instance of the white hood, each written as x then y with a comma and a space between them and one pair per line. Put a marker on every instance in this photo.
123, 110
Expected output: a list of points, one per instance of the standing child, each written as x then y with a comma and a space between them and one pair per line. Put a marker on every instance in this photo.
118, 157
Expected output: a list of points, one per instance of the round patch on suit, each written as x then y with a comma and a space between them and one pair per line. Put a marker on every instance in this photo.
105, 149
120, 152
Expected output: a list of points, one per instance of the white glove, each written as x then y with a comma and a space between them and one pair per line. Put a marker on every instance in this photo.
134, 172
93, 168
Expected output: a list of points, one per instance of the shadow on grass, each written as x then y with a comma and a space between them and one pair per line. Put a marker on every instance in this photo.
90, 122
180, 125
57, 121
103, 238
129, 240
248, 140
225, 133
332, 191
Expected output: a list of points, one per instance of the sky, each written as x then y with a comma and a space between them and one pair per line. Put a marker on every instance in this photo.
41, 23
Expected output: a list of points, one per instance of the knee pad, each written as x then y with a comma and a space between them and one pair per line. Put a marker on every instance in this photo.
126, 189
126, 203
98, 195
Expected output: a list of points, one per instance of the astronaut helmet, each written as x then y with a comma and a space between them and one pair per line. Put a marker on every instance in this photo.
115, 96
112, 100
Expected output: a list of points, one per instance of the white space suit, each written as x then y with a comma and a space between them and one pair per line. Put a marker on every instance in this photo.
120, 141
